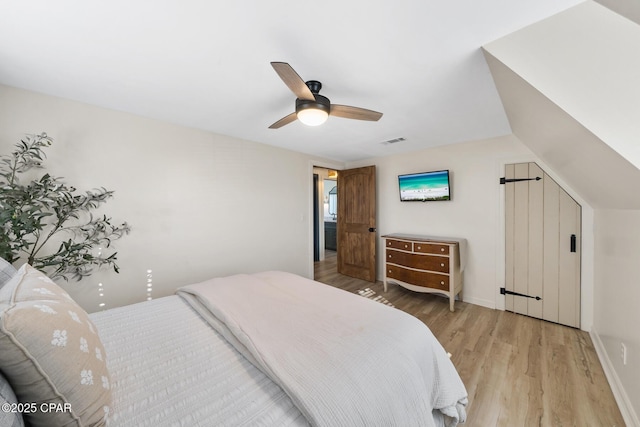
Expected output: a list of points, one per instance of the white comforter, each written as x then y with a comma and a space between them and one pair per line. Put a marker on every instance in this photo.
342, 359
169, 368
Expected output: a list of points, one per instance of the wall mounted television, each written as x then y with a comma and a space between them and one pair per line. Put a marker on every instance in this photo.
425, 186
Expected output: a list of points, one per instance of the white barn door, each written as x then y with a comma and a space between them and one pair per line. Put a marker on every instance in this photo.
542, 247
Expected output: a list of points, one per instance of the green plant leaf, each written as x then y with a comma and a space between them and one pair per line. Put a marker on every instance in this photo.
44, 209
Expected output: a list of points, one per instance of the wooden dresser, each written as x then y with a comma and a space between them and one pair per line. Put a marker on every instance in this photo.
424, 264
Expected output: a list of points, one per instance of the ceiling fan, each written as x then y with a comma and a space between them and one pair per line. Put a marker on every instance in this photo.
312, 108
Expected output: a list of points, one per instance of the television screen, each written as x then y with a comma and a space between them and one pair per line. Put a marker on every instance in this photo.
424, 186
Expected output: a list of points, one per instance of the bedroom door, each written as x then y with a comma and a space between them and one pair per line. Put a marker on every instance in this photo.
357, 223
542, 277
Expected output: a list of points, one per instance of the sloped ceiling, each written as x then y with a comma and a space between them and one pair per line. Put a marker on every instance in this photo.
601, 176
205, 64
570, 89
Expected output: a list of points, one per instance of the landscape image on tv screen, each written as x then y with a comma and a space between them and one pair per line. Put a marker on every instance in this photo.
425, 186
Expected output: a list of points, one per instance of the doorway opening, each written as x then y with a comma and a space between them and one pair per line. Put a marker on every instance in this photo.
347, 210
325, 213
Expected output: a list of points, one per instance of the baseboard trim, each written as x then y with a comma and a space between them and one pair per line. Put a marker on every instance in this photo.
628, 413
480, 302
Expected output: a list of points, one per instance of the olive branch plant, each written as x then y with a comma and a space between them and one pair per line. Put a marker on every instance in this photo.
47, 210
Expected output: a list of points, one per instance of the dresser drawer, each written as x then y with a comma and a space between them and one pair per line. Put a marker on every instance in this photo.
418, 278
418, 261
431, 248
400, 244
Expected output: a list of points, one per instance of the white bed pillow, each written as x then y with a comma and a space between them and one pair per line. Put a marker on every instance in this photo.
7, 271
51, 353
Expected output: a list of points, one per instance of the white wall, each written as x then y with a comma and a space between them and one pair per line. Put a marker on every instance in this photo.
617, 293
200, 204
473, 213
627, 8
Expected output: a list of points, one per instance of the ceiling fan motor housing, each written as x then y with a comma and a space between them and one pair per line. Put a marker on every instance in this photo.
320, 103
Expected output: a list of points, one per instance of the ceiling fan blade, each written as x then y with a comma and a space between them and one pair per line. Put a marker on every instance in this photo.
284, 121
293, 80
357, 113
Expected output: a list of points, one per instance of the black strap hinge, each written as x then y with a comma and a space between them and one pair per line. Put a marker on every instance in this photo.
504, 180
504, 291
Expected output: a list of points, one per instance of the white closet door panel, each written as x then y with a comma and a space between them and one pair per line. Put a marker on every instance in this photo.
551, 250
536, 242
509, 239
569, 278
521, 236
540, 218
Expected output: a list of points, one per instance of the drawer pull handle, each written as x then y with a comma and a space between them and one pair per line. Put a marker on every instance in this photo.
406, 246
441, 249
442, 282
419, 247
389, 256
442, 264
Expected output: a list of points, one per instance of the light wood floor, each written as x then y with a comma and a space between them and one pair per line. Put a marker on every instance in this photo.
518, 371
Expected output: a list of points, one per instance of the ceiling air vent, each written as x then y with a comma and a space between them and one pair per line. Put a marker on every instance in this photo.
393, 141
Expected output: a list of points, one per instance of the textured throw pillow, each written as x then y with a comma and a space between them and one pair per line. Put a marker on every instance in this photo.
51, 353
7, 271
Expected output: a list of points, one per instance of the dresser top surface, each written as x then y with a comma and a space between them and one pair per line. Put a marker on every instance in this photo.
424, 238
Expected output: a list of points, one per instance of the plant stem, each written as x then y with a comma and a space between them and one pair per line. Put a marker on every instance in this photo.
53, 231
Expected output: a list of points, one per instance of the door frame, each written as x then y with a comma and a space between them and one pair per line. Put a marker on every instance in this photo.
318, 164
587, 273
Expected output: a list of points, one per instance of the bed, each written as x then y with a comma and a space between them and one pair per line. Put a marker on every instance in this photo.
264, 349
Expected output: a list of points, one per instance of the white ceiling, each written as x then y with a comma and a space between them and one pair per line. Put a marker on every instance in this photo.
205, 64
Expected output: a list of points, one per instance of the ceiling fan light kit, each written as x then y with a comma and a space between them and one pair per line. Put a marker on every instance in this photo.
313, 109
313, 113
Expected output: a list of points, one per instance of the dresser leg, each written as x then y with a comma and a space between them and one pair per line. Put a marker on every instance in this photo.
384, 283
452, 301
